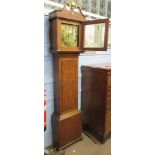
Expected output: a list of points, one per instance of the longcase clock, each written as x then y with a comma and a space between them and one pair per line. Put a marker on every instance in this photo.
71, 34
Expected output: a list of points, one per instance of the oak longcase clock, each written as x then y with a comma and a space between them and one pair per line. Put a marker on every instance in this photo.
71, 34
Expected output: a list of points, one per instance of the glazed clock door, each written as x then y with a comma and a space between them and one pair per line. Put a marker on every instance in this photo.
69, 83
95, 35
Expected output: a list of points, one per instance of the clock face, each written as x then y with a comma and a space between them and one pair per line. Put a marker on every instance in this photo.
69, 35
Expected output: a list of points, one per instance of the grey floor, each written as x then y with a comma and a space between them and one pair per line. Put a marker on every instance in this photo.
88, 147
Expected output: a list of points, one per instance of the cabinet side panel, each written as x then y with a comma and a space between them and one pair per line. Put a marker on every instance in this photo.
108, 105
55, 131
56, 84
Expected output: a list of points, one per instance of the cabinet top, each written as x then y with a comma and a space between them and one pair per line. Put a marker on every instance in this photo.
99, 66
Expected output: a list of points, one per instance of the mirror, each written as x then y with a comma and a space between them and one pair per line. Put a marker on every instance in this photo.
94, 35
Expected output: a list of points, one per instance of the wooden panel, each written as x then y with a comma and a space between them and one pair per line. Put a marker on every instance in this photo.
67, 128
69, 83
70, 127
57, 86
108, 106
53, 34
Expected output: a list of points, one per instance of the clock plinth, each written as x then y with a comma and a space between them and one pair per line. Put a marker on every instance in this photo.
67, 129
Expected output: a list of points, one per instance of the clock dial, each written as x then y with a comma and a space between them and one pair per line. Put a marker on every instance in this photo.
69, 35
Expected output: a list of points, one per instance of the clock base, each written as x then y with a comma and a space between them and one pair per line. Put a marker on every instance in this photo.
67, 128
71, 143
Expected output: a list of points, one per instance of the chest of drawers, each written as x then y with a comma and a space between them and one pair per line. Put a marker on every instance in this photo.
96, 100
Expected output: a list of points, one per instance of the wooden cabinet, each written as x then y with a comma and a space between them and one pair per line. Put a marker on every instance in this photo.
96, 100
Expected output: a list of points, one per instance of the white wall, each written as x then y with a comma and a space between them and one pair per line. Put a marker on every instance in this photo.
48, 77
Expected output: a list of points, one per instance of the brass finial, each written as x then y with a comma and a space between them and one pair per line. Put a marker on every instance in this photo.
72, 4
